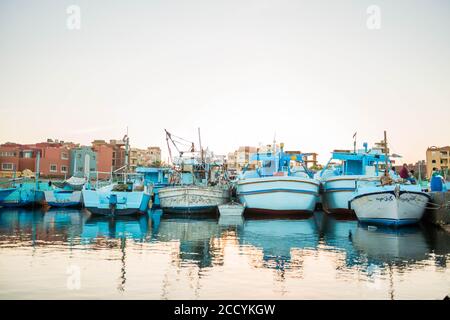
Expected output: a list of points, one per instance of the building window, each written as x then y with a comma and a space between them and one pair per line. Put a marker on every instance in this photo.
64, 169
433, 161
7, 154
27, 154
64, 156
80, 169
53, 168
7, 166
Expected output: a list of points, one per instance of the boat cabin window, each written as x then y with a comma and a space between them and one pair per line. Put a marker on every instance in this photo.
353, 167
268, 167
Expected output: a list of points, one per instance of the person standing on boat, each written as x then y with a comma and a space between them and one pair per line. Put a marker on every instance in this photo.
404, 172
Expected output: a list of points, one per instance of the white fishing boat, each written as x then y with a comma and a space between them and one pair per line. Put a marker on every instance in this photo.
231, 209
198, 182
395, 205
274, 187
391, 201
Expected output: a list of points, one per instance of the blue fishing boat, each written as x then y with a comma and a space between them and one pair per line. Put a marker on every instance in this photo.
117, 199
276, 187
126, 197
156, 178
22, 193
339, 180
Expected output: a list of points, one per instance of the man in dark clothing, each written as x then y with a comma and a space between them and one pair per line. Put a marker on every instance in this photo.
404, 172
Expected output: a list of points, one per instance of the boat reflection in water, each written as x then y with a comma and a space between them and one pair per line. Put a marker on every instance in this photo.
136, 228
194, 235
368, 246
164, 256
281, 240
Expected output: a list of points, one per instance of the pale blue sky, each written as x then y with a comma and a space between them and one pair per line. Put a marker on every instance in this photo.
311, 71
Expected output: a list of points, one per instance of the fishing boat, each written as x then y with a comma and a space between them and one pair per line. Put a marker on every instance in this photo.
157, 178
339, 179
392, 201
394, 205
275, 187
129, 196
198, 183
23, 192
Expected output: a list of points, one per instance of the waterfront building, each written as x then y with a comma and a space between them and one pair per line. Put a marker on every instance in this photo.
238, 159
110, 156
104, 154
438, 158
150, 157
83, 162
54, 158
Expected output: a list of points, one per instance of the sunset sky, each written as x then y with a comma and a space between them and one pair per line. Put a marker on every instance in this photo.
309, 72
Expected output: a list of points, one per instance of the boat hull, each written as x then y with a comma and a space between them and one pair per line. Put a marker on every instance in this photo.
63, 199
278, 194
338, 191
389, 206
231, 209
99, 202
192, 198
22, 196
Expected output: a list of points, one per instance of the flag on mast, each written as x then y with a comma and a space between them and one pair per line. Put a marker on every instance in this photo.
354, 135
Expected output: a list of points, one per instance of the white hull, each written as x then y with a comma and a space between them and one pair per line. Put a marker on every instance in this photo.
390, 205
192, 198
279, 193
65, 199
232, 209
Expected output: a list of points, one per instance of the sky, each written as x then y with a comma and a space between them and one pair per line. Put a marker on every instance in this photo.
309, 73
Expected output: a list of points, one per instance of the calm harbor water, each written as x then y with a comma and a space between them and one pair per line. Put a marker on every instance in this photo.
68, 254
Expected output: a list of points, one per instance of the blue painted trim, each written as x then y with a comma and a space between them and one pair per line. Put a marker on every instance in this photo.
276, 190
339, 189
389, 222
64, 204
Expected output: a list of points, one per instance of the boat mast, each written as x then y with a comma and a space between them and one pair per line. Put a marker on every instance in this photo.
38, 162
200, 144
126, 139
385, 153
